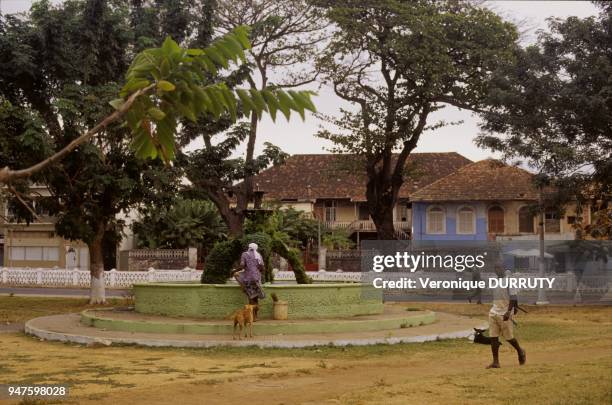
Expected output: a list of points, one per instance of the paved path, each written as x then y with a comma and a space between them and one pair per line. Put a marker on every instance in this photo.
67, 328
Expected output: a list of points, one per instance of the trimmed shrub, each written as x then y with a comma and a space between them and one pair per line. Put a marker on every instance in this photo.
225, 255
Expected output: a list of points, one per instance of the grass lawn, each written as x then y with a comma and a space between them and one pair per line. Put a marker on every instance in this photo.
569, 353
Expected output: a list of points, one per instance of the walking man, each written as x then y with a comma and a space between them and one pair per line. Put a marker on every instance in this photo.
500, 321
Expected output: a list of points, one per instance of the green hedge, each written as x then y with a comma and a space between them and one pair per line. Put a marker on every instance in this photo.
225, 256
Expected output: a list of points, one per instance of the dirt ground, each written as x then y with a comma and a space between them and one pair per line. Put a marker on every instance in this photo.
569, 352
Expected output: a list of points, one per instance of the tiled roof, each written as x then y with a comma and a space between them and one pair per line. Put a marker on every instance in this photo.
486, 180
306, 177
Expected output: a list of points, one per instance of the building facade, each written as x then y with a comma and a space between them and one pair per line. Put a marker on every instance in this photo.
332, 189
487, 200
36, 244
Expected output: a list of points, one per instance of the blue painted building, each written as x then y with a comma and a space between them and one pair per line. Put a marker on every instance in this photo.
480, 201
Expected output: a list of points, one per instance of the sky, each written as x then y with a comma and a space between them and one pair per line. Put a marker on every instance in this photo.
297, 136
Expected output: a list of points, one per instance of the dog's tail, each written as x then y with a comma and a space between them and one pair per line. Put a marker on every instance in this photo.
231, 316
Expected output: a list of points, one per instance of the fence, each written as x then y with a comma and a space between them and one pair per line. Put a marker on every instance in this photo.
143, 259
81, 278
125, 279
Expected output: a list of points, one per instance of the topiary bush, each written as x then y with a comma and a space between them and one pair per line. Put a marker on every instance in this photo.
220, 261
225, 255
293, 257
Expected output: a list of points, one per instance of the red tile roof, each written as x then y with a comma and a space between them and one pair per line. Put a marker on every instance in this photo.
306, 177
485, 180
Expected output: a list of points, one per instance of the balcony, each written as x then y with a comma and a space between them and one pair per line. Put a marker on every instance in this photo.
364, 225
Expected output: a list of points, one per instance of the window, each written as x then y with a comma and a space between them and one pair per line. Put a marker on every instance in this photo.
330, 211
552, 221
17, 253
33, 253
51, 254
466, 221
402, 212
364, 214
525, 220
496, 220
436, 220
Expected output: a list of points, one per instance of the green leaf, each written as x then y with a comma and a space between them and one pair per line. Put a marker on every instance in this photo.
156, 113
247, 104
165, 85
241, 34
303, 99
286, 104
259, 101
170, 46
116, 103
195, 52
273, 105
216, 56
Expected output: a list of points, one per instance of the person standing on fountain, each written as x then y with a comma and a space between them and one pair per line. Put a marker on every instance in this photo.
248, 275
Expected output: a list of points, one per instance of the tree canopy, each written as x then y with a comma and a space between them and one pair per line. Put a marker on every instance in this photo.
398, 62
552, 109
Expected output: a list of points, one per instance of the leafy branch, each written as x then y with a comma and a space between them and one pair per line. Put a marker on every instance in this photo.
167, 84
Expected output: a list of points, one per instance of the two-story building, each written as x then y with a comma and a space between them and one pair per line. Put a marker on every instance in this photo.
36, 244
332, 188
486, 200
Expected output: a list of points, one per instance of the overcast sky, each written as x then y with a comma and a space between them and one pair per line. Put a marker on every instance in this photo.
297, 136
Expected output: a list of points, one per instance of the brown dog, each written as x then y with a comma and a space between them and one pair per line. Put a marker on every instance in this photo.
243, 318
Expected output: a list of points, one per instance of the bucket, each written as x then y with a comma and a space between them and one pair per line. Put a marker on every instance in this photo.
280, 310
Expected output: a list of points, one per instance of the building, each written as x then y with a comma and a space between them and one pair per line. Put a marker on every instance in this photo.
486, 200
332, 188
36, 244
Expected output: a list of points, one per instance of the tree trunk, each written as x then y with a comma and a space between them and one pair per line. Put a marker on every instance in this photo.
248, 166
97, 289
235, 222
381, 193
383, 221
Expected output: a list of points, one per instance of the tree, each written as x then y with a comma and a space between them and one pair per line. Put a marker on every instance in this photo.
553, 108
284, 38
397, 62
164, 85
187, 223
289, 225
55, 98
65, 66
214, 173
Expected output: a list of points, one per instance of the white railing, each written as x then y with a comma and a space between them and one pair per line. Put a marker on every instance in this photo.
81, 278
125, 279
365, 225
322, 276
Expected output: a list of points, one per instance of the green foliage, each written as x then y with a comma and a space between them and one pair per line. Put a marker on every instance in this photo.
337, 239
291, 226
178, 80
221, 260
293, 258
225, 255
187, 223
552, 109
398, 62
60, 66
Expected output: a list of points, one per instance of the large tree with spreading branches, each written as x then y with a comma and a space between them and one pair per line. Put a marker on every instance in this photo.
285, 36
397, 62
64, 66
552, 109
